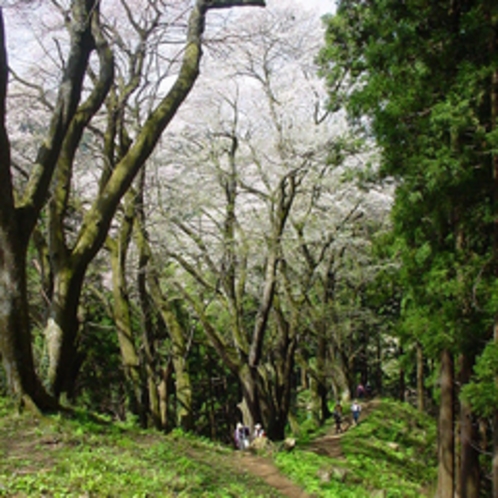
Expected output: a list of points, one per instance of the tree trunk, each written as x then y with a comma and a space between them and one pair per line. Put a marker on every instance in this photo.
163, 391
183, 387
157, 382
469, 436
321, 388
342, 375
179, 352
170, 316
17, 223
248, 381
62, 330
15, 337
282, 360
97, 220
446, 449
122, 319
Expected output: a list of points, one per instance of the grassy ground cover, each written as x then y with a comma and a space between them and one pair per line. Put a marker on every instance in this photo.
62, 457
390, 454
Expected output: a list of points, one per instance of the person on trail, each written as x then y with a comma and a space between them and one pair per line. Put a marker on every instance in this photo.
241, 437
258, 431
337, 414
360, 391
355, 410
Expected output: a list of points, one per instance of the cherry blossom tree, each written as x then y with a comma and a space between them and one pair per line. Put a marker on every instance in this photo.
103, 65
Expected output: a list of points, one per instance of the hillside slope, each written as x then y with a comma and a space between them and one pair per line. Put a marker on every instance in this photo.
390, 454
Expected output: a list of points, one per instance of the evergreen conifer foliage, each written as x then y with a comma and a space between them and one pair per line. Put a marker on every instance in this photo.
419, 78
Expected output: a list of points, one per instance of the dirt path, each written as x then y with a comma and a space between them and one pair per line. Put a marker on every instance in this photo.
265, 469
328, 445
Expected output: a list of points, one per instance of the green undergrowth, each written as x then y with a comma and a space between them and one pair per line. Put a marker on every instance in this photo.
79, 456
390, 454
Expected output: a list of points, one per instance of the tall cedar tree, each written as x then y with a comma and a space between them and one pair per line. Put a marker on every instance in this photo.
417, 77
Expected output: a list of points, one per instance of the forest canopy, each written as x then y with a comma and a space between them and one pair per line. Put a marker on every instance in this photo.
224, 210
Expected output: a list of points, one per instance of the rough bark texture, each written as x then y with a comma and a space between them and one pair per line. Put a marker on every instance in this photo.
446, 450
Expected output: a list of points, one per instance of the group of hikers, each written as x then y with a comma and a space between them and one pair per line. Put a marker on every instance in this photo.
361, 393
243, 437
339, 415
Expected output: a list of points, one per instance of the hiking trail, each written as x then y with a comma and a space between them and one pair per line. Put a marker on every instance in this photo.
265, 469
328, 445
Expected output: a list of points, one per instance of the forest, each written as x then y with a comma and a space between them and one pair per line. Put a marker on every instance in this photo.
216, 211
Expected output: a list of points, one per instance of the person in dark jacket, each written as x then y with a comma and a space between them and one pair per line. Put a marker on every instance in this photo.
337, 414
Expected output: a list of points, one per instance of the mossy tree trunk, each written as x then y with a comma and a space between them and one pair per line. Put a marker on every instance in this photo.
15, 337
157, 381
127, 339
69, 269
18, 217
15, 340
61, 332
73, 261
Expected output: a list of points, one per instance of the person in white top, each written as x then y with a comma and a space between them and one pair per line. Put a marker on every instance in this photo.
356, 410
258, 431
